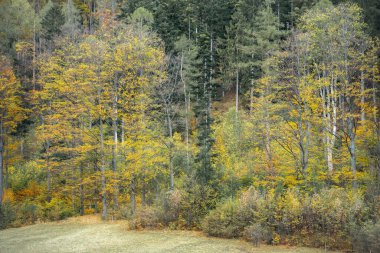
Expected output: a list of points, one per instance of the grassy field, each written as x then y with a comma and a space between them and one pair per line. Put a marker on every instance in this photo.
89, 234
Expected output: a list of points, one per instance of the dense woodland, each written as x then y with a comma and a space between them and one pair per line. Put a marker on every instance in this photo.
243, 118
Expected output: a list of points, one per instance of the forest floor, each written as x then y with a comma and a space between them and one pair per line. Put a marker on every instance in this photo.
90, 234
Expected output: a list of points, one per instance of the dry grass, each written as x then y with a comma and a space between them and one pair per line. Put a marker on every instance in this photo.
90, 234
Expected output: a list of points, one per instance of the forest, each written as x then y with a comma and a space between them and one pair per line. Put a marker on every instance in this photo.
254, 119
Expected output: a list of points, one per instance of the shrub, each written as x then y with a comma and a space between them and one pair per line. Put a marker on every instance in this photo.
256, 233
28, 213
145, 217
223, 221
196, 201
57, 209
231, 217
320, 220
7, 214
367, 238
170, 207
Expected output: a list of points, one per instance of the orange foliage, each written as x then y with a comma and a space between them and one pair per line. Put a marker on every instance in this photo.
32, 191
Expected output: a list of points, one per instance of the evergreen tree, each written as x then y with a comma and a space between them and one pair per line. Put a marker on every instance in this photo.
17, 20
71, 26
52, 22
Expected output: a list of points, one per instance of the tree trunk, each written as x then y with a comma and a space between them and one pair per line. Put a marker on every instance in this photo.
48, 171
170, 128
268, 148
362, 99
6, 163
251, 100
351, 129
133, 195
81, 192
103, 170
1, 162
171, 172
186, 116
34, 56
114, 147
143, 194
237, 92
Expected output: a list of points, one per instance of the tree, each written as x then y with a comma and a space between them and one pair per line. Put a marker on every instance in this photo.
11, 111
17, 23
71, 26
52, 21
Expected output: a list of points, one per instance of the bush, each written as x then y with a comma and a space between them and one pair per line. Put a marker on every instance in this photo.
170, 207
223, 221
145, 217
57, 209
256, 233
7, 214
230, 218
28, 213
320, 220
367, 238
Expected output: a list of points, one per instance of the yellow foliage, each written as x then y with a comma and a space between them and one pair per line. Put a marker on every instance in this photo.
8, 195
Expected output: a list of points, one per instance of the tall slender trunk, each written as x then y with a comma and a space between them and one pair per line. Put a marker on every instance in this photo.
268, 147
122, 131
186, 114
133, 195
375, 119
251, 99
143, 193
362, 99
329, 102
237, 92
307, 142
48, 171
170, 128
351, 129
103, 170
6, 163
34, 55
115, 142
81, 192
1, 162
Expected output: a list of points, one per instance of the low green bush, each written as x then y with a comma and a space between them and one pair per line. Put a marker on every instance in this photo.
57, 209
367, 238
256, 233
224, 220
320, 220
28, 213
7, 214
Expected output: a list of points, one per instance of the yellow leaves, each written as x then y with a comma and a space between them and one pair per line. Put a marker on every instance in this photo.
24, 47
32, 191
11, 111
9, 196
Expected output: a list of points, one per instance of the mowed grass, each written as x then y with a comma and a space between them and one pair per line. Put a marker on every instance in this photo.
89, 234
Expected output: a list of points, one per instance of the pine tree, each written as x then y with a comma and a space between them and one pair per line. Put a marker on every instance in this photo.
52, 22
71, 26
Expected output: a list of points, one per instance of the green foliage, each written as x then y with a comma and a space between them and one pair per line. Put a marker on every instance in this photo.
323, 219
57, 209
17, 17
256, 234
28, 213
72, 19
7, 214
367, 237
52, 21
116, 123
